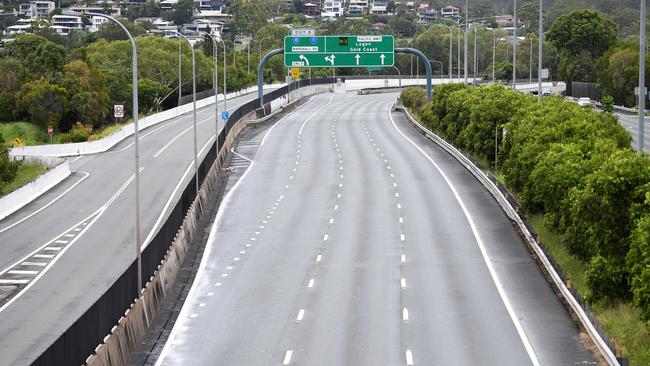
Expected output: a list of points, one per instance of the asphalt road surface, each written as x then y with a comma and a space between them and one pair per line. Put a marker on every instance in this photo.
74, 241
631, 125
353, 240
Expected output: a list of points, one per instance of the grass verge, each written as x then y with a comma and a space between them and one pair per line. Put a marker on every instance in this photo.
27, 133
620, 319
26, 173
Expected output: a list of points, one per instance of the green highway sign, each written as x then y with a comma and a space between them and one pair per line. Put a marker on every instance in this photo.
339, 51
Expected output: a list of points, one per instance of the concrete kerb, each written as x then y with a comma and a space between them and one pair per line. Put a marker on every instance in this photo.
22, 196
93, 147
574, 306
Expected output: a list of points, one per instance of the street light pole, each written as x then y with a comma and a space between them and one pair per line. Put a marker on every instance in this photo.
494, 52
196, 164
180, 85
451, 52
475, 58
215, 82
249, 57
540, 34
530, 67
514, 48
465, 35
642, 91
458, 51
134, 63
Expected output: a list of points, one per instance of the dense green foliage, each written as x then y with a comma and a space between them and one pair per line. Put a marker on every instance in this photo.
570, 163
8, 167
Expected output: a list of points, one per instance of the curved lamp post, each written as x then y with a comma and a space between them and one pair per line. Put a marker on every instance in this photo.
196, 164
134, 61
215, 82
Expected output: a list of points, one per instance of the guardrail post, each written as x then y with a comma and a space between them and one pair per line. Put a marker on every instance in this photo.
260, 76
424, 59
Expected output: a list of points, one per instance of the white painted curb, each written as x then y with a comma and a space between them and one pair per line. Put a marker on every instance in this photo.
32, 190
93, 147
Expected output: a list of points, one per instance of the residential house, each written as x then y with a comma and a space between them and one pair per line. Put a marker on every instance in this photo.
113, 10
332, 9
64, 24
450, 11
35, 9
311, 9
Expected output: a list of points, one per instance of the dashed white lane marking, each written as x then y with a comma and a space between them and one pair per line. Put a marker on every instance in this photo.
76, 229
396, 194
21, 272
242, 252
331, 221
325, 237
401, 237
401, 220
301, 314
409, 357
236, 259
287, 357
319, 257
202, 305
336, 207
210, 293
405, 314
403, 258
229, 267
399, 206
13, 282
38, 264
217, 284
311, 283
224, 275
61, 241
402, 283
338, 195
46, 256
479, 241
55, 249
194, 315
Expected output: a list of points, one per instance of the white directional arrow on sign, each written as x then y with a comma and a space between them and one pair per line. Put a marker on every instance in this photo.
382, 59
357, 57
302, 57
330, 59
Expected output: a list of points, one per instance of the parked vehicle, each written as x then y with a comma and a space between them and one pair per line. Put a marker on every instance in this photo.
585, 102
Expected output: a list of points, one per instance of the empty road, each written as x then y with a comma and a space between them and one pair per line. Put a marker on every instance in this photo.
353, 240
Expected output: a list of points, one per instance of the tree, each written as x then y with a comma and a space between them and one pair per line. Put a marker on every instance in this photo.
183, 11
42, 102
581, 37
151, 93
48, 59
618, 73
404, 23
8, 167
87, 94
112, 32
529, 14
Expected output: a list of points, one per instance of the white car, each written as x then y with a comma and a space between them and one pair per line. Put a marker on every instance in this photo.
584, 102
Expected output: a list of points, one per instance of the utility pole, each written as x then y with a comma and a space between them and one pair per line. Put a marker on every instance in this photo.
540, 35
642, 91
494, 51
514, 48
465, 38
530, 67
180, 84
459, 30
475, 59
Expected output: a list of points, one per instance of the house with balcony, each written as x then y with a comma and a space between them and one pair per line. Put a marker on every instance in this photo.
451, 12
357, 8
311, 9
426, 15
64, 24
332, 9
35, 9
96, 23
113, 10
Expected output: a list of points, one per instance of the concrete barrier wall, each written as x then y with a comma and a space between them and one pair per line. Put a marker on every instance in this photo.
32, 190
93, 147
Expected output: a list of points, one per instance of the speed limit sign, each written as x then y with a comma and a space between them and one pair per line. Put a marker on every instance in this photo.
118, 110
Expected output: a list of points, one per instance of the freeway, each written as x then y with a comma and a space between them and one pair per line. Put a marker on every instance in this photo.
350, 239
71, 244
631, 125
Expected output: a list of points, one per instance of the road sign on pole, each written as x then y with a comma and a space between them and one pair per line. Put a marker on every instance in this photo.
544, 74
295, 73
118, 110
303, 32
225, 115
50, 130
339, 51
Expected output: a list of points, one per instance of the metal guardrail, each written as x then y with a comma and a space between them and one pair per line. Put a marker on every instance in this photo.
82, 337
511, 207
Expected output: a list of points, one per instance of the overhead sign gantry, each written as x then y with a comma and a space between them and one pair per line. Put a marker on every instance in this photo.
339, 51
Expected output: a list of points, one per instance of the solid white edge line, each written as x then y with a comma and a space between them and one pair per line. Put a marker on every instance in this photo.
287, 357
479, 241
313, 114
211, 239
86, 175
146, 241
409, 357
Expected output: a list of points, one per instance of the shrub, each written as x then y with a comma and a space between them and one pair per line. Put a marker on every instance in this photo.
413, 97
638, 261
608, 103
606, 279
8, 167
78, 133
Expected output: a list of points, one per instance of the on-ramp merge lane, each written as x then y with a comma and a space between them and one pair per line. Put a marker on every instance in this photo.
104, 250
342, 245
